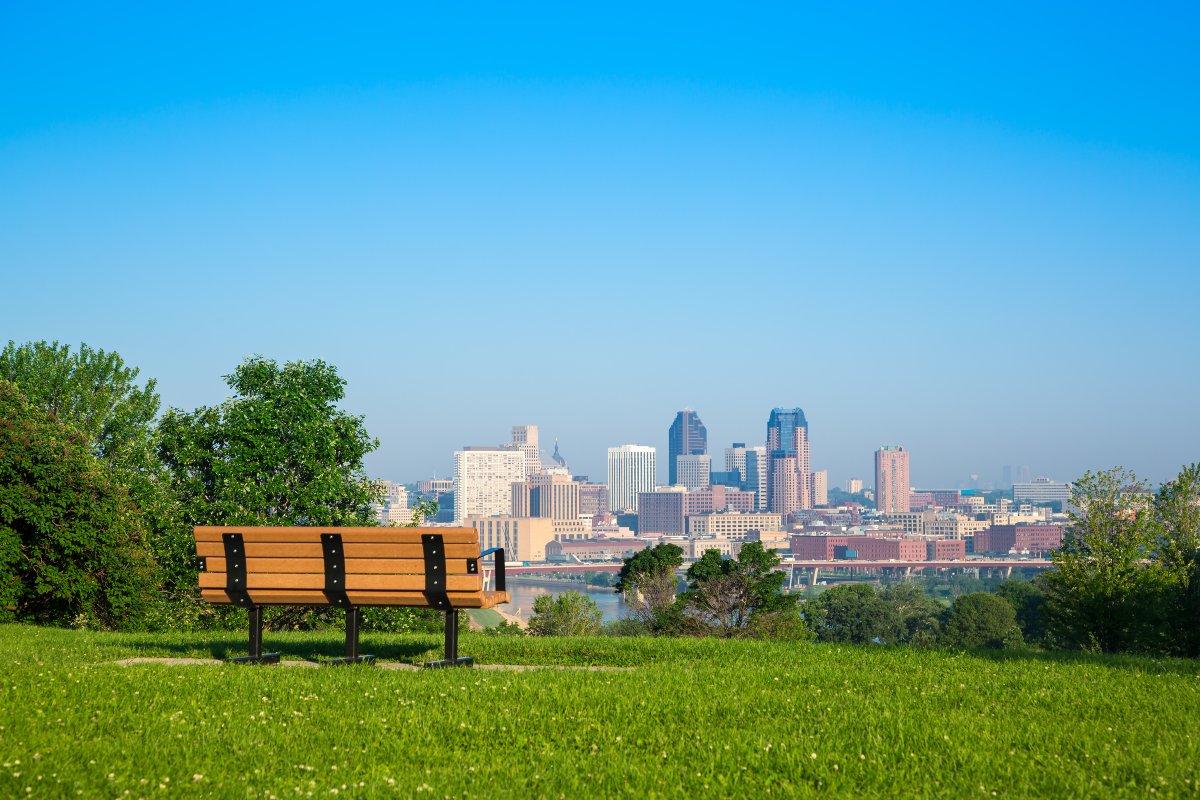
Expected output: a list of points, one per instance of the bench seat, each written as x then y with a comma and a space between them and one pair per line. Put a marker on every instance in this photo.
348, 567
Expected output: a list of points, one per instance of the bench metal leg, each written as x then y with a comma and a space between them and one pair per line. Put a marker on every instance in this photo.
256, 654
451, 659
352, 656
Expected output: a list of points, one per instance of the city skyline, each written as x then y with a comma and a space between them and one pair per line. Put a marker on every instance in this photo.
552, 202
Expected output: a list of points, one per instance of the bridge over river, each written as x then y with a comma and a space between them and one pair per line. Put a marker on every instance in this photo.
812, 569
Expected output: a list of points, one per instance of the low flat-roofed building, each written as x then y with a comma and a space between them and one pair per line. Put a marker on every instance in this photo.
732, 525
946, 549
1033, 539
523, 538
594, 549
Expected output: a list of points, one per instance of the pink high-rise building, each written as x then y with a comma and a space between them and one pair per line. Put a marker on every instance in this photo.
891, 480
789, 475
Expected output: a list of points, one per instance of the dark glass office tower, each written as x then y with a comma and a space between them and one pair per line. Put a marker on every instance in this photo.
789, 482
685, 437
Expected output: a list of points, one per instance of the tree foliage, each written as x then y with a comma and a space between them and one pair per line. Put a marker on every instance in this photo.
853, 614
72, 545
95, 393
1177, 517
647, 583
1096, 595
733, 595
90, 390
981, 619
916, 614
278, 452
566, 614
1028, 602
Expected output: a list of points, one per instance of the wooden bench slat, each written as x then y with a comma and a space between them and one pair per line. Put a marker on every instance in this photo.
213, 533
364, 566
353, 550
392, 583
277, 597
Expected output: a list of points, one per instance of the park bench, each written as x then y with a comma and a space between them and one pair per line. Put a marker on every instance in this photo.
438, 568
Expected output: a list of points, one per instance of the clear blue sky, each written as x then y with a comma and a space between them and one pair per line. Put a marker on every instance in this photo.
971, 231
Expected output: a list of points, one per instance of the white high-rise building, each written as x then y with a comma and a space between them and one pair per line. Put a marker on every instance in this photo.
694, 472
483, 479
631, 469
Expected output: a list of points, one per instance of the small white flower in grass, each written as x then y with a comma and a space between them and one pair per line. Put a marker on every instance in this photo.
197, 777
812, 755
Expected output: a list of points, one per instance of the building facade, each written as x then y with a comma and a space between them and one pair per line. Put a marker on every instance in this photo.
631, 470
789, 475
1041, 490
732, 525
693, 472
550, 495
820, 488
523, 538
483, 479
687, 436
525, 439
891, 480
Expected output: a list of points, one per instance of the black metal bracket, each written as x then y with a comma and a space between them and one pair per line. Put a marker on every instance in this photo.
499, 559
202, 563
435, 571
335, 571
451, 659
257, 656
235, 570
352, 656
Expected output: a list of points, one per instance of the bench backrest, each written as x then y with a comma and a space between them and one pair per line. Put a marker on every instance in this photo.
417, 567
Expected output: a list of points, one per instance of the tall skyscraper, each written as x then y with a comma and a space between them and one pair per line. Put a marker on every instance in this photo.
891, 480
525, 439
686, 437
631, 469
483, 479
789, 480
756, 475
820, 488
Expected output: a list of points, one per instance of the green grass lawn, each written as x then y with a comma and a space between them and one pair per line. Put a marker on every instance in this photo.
693, 717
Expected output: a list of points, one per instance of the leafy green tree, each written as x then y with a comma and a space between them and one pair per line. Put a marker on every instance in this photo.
853, 614
733, 595
647, 582
916, 613
95, 393
1097, 593
565, 614
1177, 515
1028, 602
278, 452
981, 619
72, 545
90, 390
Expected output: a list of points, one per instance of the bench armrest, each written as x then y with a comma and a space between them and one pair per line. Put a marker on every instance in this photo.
499, 554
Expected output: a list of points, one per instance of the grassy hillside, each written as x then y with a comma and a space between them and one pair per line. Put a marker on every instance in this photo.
703, 718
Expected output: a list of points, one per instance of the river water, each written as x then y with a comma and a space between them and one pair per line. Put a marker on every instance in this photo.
524, 592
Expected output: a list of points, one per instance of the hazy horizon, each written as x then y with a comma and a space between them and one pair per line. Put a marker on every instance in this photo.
973, 235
